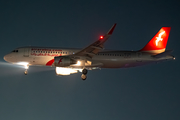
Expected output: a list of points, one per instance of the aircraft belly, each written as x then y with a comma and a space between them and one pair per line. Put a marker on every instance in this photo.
121, 62
115, 62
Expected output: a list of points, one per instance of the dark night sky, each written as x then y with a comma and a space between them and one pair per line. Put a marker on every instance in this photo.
149, 92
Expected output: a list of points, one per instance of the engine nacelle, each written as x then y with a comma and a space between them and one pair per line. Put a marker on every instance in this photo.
63, 61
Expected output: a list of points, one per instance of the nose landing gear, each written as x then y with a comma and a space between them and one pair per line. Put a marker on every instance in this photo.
84, 72
26, 66
83, 76
26, 72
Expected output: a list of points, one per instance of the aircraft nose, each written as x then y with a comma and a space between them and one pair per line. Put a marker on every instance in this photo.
7, 57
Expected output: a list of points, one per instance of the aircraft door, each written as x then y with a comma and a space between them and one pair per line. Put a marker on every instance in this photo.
139, 57
26, 52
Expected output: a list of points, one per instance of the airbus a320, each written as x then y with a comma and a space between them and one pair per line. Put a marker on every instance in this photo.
68, 61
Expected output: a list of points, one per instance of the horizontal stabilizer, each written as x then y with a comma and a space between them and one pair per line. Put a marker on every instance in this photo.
167, 52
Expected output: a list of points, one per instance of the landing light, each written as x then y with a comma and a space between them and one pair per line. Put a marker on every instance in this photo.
25, 64
78, 63
66, 71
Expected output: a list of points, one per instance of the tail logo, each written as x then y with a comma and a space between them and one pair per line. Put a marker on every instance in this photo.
159, 38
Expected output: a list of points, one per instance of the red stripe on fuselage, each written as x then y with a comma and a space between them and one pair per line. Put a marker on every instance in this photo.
49, 63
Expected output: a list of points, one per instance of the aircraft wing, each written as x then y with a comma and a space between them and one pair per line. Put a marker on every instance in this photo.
95, 47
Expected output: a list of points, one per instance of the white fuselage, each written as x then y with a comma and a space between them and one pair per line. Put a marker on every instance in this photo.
44, 56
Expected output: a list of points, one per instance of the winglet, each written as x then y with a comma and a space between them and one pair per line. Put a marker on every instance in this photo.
111, 30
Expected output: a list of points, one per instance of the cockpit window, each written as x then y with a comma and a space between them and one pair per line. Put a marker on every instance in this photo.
15, 51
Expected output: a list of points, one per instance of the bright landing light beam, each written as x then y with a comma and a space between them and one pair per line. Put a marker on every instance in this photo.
25, 64
66, 71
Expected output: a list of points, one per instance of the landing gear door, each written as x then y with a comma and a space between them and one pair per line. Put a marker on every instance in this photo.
26, 52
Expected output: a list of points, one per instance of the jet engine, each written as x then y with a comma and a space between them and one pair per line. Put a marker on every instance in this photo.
63, 61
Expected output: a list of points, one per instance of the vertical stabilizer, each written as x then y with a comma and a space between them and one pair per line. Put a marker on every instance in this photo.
158, 43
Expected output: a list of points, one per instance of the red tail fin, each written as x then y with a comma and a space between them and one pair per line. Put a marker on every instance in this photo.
158, 43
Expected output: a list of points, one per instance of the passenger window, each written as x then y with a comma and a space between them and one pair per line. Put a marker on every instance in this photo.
15, 51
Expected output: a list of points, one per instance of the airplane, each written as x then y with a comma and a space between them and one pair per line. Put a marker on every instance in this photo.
72, 60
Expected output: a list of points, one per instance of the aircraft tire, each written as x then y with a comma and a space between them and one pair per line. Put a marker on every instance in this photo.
84, 71
83, 77
25, 72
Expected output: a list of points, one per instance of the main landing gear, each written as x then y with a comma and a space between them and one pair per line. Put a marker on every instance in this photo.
84, 72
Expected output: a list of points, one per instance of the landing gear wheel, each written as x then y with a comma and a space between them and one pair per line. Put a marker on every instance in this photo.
84, 71
25, 72
83, 76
